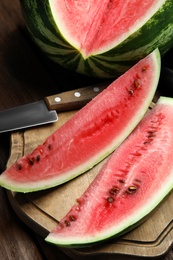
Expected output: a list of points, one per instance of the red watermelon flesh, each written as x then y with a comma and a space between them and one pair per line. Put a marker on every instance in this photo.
99, 24
130, 185
91, 134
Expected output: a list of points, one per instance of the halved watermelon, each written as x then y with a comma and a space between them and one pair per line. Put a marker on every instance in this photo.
130, 185
91, 134
99, 38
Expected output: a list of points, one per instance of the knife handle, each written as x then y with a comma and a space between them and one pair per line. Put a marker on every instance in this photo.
74, 99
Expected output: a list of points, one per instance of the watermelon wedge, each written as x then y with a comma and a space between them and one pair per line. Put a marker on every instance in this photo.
135, 179
99, 38
91, 134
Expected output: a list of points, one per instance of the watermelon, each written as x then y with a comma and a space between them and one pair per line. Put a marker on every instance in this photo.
135, 179
99, 38
91, 134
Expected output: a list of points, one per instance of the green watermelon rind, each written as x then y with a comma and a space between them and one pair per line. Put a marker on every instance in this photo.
57, 180
128, 224
156, 32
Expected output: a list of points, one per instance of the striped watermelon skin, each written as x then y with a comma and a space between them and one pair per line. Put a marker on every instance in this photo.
156, 32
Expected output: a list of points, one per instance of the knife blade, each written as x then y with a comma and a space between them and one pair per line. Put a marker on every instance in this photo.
45, 111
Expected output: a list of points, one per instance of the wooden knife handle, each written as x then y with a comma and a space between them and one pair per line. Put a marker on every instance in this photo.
74, 99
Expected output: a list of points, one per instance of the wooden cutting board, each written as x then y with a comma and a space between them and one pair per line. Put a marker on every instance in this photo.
42, 210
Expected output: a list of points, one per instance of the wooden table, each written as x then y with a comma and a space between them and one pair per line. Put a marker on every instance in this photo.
25, 76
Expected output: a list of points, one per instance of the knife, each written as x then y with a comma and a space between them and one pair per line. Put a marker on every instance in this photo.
45, 111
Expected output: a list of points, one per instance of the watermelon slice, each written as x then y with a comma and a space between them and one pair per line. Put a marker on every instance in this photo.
130, 185
91, 134
99, 38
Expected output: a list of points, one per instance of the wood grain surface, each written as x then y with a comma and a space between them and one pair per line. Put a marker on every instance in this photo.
42, 210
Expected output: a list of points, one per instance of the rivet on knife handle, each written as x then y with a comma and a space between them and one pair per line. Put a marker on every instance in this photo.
74, 99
